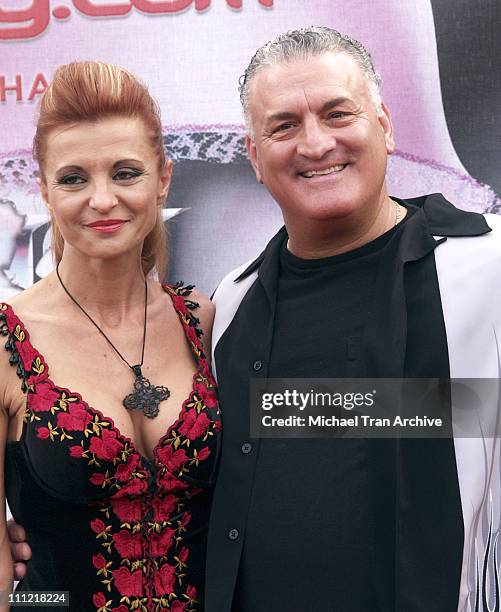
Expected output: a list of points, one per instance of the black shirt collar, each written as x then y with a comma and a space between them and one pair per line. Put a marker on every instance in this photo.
435, 217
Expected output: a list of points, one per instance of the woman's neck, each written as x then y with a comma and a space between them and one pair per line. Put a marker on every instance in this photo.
109, 290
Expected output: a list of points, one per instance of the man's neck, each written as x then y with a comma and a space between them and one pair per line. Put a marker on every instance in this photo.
316, 240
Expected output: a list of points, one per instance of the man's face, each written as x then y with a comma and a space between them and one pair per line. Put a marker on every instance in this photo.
318, 143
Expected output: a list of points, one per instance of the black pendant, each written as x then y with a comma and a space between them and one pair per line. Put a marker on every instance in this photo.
145, 397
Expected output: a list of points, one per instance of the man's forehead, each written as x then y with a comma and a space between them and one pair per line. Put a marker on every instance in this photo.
330, 75
332, 63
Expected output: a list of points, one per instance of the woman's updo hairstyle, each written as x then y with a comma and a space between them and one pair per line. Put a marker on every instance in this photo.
90, 91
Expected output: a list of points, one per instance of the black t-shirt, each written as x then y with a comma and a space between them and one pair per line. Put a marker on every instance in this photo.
310, 496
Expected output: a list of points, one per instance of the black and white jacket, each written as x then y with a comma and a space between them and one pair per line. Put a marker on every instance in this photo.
452, 526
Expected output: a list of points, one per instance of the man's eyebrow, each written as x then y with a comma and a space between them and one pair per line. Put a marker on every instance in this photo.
283, 116
335, 102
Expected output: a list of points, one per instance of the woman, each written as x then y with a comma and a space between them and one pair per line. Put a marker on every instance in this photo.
110, 454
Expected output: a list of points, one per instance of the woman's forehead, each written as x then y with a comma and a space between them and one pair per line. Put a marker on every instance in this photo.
106, 139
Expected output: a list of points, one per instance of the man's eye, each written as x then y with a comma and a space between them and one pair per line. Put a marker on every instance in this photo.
71, 179
126, 174
338, 115
283, 127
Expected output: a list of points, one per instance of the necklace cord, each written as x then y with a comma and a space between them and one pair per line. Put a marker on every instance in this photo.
145, 396
73, 299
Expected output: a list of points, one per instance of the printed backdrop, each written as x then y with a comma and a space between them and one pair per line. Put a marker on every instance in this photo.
191, 53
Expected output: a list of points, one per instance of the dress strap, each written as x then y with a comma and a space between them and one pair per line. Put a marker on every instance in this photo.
30, 365
184, 306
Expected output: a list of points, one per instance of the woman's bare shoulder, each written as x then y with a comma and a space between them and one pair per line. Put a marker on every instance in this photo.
33, 301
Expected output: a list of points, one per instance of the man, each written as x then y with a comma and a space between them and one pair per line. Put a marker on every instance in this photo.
356, 284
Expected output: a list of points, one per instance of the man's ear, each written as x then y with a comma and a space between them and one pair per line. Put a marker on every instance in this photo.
44, 192
164, 183
252, 151
387, 127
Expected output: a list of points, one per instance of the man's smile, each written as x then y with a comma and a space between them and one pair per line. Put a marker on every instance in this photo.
332, 169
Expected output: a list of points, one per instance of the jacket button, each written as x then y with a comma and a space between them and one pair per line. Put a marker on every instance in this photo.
233, 534
246, 448
257, 365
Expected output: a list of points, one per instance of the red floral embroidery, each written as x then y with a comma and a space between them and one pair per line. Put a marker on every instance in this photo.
98, 479
127, 510
183, 555
98, 526
165, 579
208, 396
203, 453
8, 315
191, 592
128, 546
125, 470
161, 543
43, 433
128, 583
98, 561
76, 451
194, 425
136, 486
172, 459
185, 519
179, 303
99, 600
192, 334
107, 446
172, 483
27, 353
44, 398
164, 507
76, 419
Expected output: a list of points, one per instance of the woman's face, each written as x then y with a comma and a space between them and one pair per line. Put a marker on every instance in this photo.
103, 186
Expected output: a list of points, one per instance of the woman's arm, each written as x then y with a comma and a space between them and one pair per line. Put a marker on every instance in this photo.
6, 566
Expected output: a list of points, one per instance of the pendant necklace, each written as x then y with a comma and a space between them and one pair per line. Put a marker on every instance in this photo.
145, 397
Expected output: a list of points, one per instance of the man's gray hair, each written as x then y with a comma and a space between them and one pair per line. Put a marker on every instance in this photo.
303, 44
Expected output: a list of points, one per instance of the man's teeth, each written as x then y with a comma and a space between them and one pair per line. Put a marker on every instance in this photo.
310, 173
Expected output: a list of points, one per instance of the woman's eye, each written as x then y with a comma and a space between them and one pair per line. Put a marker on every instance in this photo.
126, 174
71, 179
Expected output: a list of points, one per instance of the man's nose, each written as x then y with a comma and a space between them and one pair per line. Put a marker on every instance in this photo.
103, 198
315, 140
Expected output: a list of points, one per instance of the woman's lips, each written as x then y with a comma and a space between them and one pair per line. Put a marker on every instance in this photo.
107, 227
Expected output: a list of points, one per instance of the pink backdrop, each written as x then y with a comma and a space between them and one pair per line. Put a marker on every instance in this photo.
191, 53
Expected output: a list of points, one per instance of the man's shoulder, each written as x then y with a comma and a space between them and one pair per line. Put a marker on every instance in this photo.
231, 282
493, 238
494, 222
474, 258
227, 299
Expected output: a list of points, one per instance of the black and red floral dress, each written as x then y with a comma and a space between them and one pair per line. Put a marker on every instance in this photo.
116, 530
